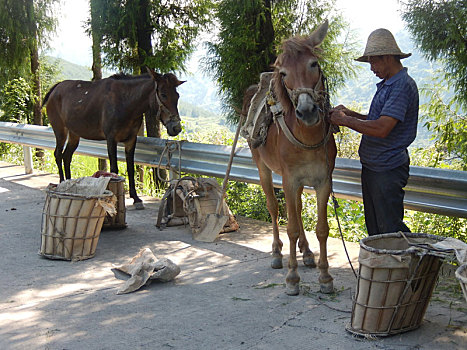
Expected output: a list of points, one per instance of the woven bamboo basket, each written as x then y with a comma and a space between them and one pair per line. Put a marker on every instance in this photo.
461, 275
117, 186
71, 224
395, 284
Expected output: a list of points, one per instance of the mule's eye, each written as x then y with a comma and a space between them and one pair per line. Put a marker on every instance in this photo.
314, 64
164, 96
282, 73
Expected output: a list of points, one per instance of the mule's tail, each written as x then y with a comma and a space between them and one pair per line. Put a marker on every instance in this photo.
46, 98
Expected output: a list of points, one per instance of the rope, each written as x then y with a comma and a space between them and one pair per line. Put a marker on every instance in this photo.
334, 200
336, 205
170, 147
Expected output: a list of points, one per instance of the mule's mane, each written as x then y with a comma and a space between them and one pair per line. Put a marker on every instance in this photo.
123, 76
291, 49
170, 78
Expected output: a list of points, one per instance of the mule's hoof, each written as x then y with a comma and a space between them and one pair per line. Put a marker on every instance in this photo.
292, 289
139, 205
327, 288
276, 263
309, 261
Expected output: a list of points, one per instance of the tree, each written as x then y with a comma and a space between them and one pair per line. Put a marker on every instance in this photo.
244, 48
156, 33
96, 35
439, 29
24, 25
95, 24
251, 32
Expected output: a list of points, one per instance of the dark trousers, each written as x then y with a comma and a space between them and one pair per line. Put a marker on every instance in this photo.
383, 199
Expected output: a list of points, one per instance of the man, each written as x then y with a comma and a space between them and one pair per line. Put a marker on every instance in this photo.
388, 129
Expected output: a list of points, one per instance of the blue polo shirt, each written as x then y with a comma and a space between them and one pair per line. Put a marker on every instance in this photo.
396, 97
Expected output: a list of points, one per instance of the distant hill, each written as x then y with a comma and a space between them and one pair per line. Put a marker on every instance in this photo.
71, 71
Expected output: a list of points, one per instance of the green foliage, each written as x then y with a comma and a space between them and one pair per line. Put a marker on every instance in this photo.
446, 226
17, 96
11, 153
128, 28
16, 101
24, 24
243, 48
448, 126
247, 200
249, 38
440, 31
298, 17
351, 220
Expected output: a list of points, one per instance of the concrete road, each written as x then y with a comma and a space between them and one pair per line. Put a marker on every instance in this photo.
226, 296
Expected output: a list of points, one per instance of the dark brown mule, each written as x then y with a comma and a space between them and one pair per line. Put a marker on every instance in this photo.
304, 159
110, 109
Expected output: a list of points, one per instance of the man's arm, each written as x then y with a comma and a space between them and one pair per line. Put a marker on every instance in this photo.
380, 127
348, 112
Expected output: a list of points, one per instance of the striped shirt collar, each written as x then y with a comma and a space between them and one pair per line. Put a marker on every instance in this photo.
399, 75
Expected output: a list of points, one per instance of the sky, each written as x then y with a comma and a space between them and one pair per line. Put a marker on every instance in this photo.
72, 44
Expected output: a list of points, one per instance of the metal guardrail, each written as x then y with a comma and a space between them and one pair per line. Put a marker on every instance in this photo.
430, 190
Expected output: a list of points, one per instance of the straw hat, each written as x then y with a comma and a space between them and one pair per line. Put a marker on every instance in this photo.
381, 42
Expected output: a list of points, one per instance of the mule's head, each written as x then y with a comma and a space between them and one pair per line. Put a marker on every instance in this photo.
299, 83
165, 99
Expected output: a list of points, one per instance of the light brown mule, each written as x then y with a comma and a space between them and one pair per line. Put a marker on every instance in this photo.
300, 88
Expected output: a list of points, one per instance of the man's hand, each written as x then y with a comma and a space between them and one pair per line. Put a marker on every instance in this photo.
341, 108
338, 117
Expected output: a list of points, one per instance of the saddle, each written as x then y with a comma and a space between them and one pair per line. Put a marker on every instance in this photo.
190, 200
259, 115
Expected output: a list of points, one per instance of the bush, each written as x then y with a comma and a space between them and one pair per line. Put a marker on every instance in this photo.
16, 101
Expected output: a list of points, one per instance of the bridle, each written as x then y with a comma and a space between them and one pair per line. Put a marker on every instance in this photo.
319, 95
174, 118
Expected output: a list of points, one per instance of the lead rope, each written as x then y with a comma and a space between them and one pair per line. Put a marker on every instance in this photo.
334, 200
170, 147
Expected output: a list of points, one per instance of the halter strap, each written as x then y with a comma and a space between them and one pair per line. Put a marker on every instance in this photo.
163, 108
293, 139
321, 97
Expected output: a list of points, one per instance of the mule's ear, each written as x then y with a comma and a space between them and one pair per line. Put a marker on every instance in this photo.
153, 73
181, 82
319, 34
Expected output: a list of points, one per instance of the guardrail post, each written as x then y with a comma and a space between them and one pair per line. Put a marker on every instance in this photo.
28, 165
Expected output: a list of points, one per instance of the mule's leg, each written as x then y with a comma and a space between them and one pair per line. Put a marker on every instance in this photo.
293, 231
60, 138
308, 256
265, 176
130, 166
322, 232
112, 152
71, 146
61, 133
